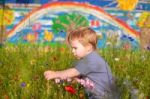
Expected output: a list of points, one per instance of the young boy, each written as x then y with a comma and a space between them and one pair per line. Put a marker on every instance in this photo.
95, 73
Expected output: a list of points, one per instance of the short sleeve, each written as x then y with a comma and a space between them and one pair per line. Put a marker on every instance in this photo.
81, 66
87, 66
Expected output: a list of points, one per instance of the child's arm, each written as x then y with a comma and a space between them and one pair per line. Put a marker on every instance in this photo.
68, 73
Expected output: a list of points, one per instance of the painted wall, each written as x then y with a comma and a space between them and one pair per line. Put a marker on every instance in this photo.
47, 22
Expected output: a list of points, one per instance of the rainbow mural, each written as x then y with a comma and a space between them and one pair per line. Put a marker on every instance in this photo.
71, 7
94, 10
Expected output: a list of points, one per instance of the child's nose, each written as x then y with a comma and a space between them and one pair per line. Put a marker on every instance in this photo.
72, 50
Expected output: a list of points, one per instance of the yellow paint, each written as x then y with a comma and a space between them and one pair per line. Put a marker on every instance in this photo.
143, 18
30, 37
127, 5
48, 36
7, 16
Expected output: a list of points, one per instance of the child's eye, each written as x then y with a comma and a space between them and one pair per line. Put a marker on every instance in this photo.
75, 48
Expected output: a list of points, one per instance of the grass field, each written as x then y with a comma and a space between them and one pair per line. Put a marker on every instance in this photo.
22, 67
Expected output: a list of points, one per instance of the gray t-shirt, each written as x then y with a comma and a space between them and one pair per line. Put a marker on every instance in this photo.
94, 68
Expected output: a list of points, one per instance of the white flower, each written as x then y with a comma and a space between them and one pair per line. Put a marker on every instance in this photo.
117, 59
108, 43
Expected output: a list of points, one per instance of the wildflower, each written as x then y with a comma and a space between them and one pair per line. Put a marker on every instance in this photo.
81, 95
143, 58
6, 96
108, 43
141, 96
62, 49
23, 84
70, 89
117, 59
33, 61
28, 85
46, 49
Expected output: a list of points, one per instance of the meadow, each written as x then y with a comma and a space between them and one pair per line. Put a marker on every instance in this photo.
22, 68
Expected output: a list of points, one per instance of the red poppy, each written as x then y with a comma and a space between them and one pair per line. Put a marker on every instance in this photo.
70, 89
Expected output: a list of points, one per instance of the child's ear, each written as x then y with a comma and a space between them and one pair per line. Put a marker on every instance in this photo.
89, 47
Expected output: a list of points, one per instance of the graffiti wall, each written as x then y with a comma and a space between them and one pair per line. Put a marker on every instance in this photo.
117, 22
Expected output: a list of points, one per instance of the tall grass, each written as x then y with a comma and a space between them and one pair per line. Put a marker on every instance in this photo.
22, 67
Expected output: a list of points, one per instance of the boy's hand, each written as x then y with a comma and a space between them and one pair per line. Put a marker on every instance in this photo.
49, 75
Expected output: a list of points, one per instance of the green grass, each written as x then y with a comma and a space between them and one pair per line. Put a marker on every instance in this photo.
22, 68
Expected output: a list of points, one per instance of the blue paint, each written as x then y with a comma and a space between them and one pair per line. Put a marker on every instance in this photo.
103, 28
102, 42
102, 3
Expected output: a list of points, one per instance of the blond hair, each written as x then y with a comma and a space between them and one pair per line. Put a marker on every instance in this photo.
85, 35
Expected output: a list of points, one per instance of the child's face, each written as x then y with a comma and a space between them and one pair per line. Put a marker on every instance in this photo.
78, 50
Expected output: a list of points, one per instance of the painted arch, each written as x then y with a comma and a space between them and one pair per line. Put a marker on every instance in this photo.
71, 7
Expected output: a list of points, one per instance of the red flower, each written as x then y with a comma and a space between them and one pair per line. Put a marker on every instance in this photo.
6, 96
70, 89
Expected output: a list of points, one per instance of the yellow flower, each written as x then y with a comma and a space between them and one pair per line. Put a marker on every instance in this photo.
28, 85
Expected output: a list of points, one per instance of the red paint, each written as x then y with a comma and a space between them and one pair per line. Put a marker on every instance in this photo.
75, 4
